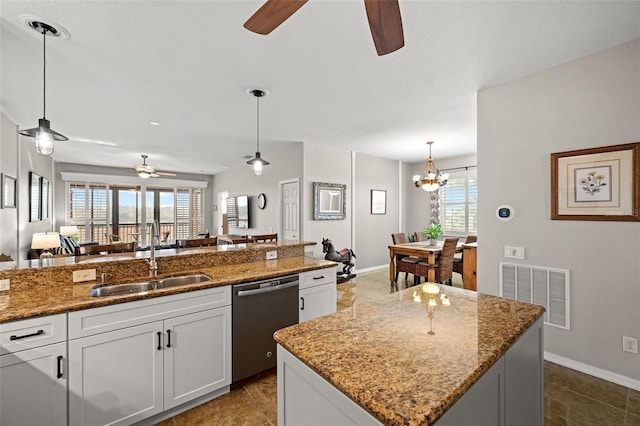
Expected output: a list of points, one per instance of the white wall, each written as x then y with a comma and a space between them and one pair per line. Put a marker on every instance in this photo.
285, 164
8, 165
590, 102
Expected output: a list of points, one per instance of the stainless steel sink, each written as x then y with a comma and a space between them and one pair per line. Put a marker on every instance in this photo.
141, 287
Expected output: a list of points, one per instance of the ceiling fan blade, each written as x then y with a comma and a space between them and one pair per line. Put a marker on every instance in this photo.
164, 174
385, 24
272, 14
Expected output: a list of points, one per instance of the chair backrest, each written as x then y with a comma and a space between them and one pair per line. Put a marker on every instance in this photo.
165, 236
419, 236
445, 260
399, 238
108, 248
264, 238
471, 239
113, 238
197, 242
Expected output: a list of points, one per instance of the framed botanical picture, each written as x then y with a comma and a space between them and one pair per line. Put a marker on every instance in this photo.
596, 184
9, 184
378, 201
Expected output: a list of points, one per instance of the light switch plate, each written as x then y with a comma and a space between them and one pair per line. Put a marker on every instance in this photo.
5, 284
514, 252
84, 275
272, 255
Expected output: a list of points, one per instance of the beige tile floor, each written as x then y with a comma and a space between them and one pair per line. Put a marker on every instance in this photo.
571, 398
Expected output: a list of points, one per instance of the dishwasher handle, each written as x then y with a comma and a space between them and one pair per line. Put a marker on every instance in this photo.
262, 290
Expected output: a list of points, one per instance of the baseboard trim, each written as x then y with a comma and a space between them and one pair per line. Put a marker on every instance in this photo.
609, 376
371, 269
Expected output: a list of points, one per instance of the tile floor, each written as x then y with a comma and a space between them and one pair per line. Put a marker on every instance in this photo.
571, 398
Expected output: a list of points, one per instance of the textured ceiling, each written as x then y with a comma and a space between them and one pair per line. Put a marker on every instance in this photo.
188, 65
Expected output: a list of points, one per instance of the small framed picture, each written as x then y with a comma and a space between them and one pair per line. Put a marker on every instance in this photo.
596, 184
9, 184
378, 201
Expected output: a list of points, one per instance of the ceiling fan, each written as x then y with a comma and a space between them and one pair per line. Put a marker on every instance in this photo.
146, 171
383, 15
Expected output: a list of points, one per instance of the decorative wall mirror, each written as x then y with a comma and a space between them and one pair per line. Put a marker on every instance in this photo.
34, 197
329, 202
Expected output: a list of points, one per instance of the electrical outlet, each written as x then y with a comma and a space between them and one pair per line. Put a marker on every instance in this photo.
514, 252
272, 255
5, 284
630, 344
84, 275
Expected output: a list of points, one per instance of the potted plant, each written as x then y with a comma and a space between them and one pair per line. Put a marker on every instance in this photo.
433, 231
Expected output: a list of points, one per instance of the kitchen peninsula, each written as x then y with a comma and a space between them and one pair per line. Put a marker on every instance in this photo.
415, 358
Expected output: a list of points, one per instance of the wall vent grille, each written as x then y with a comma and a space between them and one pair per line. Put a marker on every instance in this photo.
540, 285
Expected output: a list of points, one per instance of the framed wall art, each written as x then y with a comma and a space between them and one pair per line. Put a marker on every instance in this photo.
378, 201
329, 202
596, 184
34, 197
9, 184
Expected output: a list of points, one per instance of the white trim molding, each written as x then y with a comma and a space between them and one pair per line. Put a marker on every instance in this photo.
130, 180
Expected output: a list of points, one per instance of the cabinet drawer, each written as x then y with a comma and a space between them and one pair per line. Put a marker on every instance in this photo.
317, 277
114, 317
33, 332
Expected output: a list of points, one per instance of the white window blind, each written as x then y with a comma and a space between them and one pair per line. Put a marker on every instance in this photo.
459, 205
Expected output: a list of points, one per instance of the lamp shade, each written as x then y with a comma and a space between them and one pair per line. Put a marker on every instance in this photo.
45, 240
68, 230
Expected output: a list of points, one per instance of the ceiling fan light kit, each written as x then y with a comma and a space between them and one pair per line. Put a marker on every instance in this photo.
44, 134
384, 19
431, 178
257, 162
145, 171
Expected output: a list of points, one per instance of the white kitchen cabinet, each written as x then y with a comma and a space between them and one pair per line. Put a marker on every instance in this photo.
317, 293
197, 355
166, 352
33, 378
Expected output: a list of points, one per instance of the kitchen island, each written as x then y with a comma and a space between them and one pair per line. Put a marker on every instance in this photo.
469, 358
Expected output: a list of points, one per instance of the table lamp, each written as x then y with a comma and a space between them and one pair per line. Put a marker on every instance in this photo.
45, 241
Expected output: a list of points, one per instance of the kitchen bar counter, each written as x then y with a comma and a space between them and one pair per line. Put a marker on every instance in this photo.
47, 291
382, 356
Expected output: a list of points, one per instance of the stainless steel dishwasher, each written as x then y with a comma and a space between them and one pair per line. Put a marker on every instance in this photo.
259, 309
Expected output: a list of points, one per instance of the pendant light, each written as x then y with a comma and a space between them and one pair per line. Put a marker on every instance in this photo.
431, 179
44, 134
257, 161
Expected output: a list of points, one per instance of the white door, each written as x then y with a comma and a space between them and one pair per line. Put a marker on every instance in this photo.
197, 355
33, 386
290, 196
115, 378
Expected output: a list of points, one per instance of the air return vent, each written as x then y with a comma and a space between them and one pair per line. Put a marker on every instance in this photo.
542, 286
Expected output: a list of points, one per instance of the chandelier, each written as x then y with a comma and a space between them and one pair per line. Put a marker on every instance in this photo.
431, 178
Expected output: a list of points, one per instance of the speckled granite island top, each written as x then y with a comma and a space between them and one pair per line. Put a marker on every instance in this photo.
48, 298
381, 354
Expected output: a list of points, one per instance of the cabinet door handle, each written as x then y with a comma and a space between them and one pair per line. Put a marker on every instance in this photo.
37, 333
59, 375
159, 340
319, 278
168, 338
302, 308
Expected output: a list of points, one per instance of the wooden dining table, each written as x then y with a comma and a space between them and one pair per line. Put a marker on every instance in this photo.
420, 249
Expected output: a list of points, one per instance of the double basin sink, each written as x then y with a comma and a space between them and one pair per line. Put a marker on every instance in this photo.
141, 287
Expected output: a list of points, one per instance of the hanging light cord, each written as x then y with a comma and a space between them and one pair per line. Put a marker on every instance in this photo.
44, 72
258, 124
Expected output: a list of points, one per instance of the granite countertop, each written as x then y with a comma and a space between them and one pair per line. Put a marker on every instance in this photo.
39, 300
381, 355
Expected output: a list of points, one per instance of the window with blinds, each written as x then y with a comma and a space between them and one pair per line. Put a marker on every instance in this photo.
459, 205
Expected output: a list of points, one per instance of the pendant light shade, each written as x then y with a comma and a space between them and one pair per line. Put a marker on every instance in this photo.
257, 161
44, 134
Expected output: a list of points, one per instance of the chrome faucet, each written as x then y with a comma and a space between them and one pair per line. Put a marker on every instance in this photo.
153, 263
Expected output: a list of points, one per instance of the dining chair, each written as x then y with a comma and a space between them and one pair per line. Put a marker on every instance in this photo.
444, 265
457, 259
165, 237
113, 238
404, 263
419, 236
